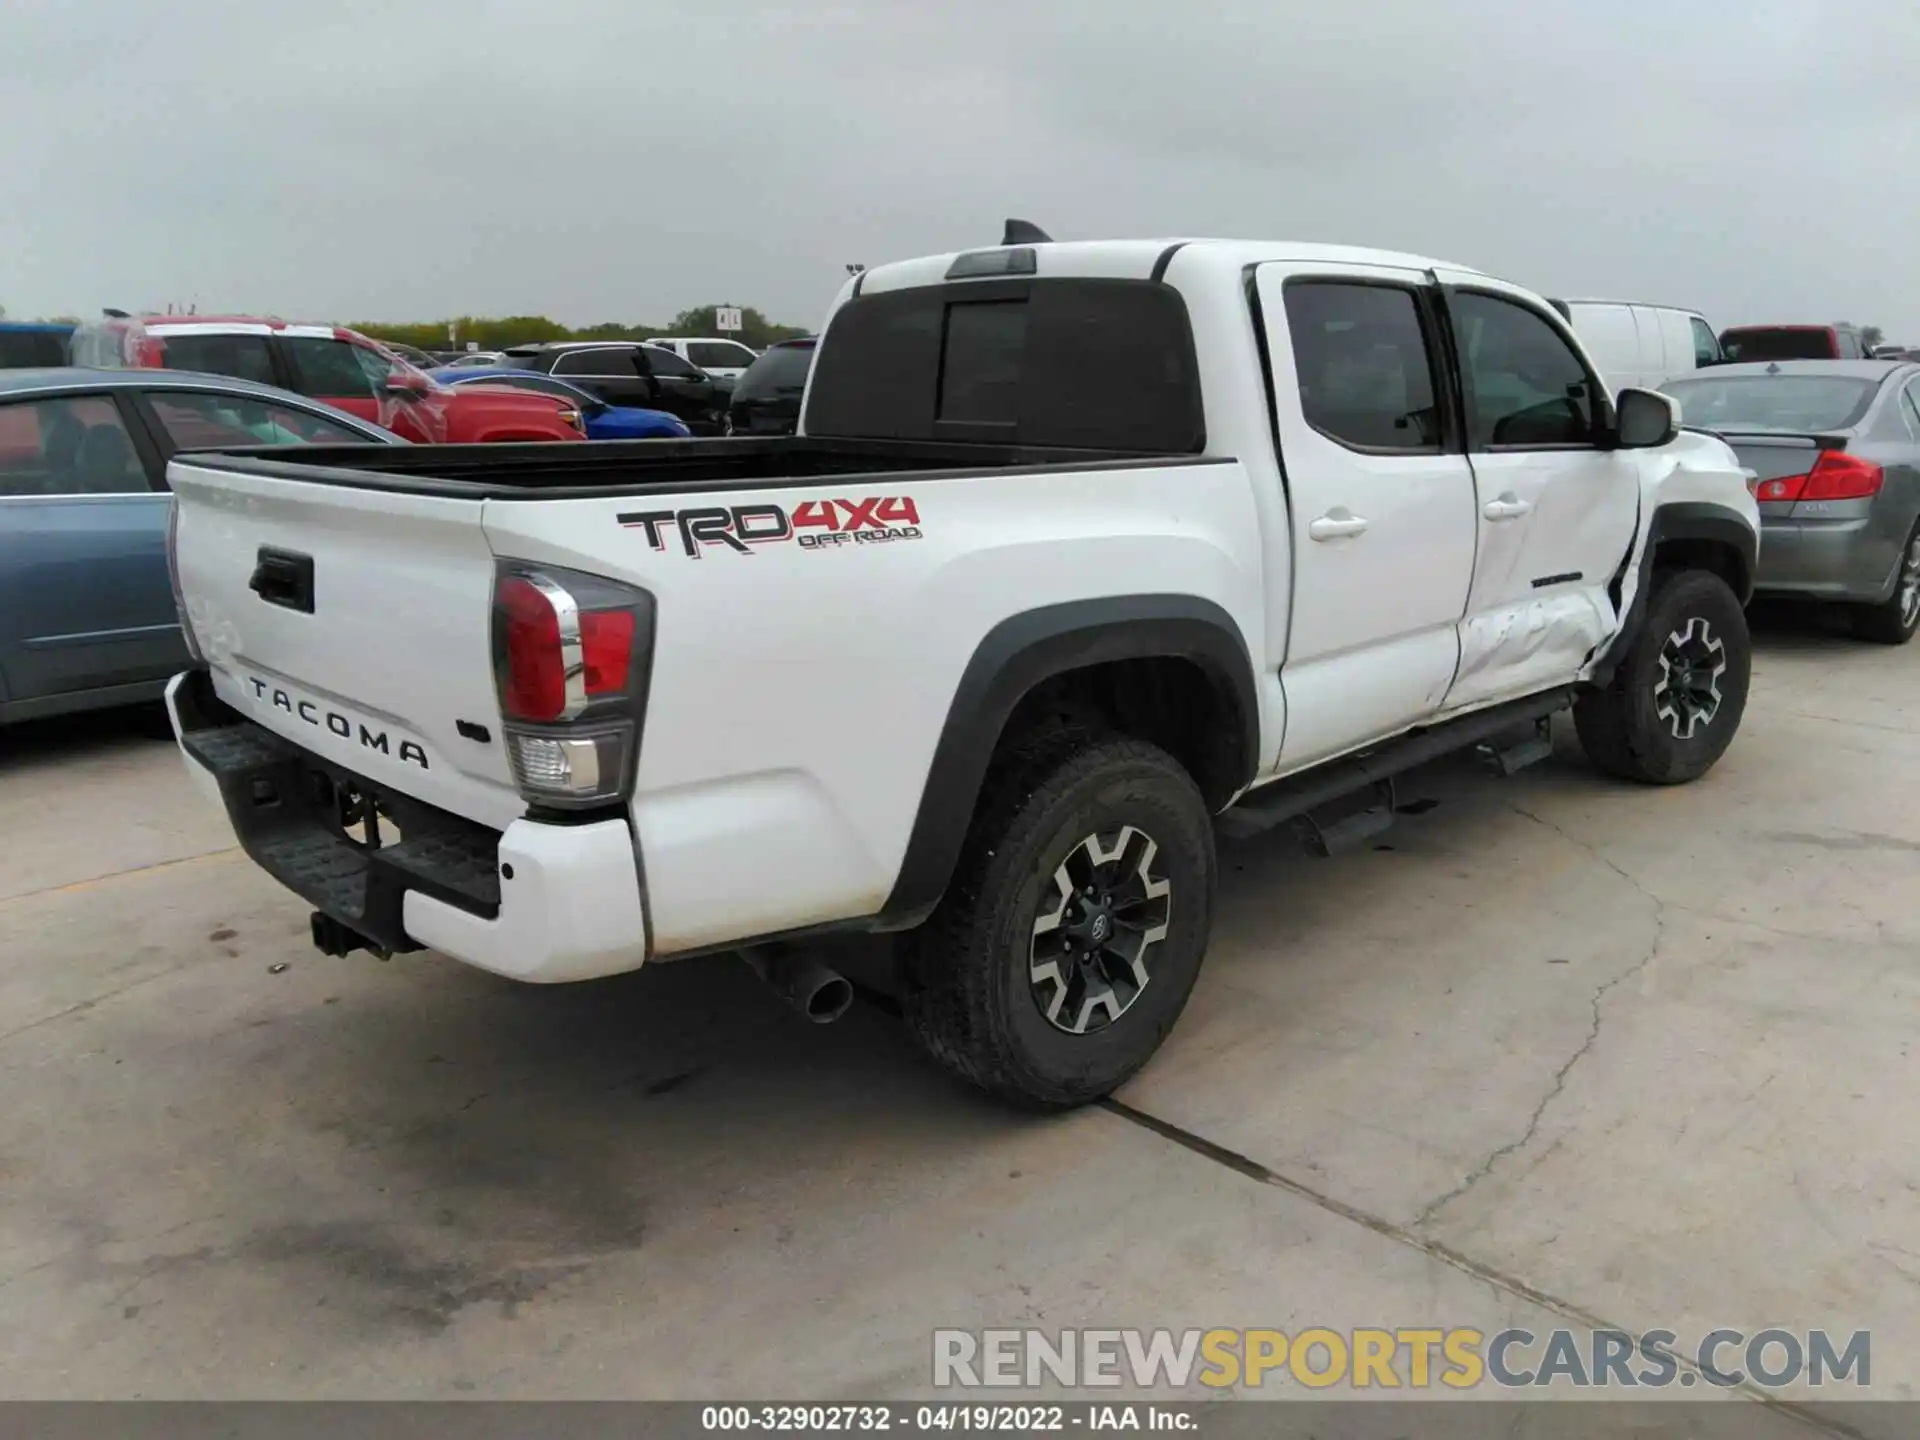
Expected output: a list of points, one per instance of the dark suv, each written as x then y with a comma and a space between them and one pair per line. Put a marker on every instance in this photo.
766, 398
627, 372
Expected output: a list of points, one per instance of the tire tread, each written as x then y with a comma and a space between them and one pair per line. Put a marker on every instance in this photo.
947, 968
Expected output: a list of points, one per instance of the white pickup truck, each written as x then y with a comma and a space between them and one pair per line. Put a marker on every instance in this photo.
1082, 550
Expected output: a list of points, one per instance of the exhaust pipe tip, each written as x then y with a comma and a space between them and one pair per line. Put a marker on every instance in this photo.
818, 992
831, 999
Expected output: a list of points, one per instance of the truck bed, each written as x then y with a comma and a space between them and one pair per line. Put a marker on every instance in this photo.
478, 472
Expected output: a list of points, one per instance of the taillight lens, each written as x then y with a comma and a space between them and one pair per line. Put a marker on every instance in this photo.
570, 661
1836, 475
1840, 476
534, 685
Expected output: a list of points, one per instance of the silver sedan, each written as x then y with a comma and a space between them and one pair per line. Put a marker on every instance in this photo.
1834, 447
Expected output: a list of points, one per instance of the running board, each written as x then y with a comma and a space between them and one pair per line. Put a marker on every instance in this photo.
1295, 795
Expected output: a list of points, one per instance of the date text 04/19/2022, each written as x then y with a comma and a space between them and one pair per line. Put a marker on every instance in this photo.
946, 1419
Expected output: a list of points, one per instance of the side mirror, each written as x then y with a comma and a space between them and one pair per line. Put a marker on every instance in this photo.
405, 387
1645, 419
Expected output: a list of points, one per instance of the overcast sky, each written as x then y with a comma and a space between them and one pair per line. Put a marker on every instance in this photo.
622, 159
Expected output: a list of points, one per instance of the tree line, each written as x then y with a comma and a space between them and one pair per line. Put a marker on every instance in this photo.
496, 333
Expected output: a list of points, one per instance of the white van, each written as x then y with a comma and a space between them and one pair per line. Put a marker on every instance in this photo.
1642, 345
722, 359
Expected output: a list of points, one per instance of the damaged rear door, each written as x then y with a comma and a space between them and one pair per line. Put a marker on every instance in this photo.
1557, 511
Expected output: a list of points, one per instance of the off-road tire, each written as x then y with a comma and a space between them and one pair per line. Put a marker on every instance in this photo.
1621, 727
966, 986
1894, 620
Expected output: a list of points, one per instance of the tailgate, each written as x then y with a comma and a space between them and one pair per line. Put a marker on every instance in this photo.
354, 622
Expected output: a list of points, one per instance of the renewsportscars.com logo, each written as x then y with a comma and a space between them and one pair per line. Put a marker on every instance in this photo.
812, 524
1415, 1358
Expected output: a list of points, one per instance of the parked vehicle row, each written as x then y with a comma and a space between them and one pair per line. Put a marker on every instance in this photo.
629, 372
326, 362
1833, 448
603, 421
87, 615
1139, 538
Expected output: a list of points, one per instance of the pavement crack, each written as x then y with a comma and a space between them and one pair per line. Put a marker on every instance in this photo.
1499, 1280
1838, 720
1553, 1093
81, 1006
93, 880
1596, 1019
1589, 847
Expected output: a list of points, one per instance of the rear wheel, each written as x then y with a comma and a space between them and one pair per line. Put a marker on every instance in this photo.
1071, 935
1893, 621
1676, 700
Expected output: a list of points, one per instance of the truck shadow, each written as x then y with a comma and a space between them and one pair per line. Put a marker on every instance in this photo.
1800, 627
62, 739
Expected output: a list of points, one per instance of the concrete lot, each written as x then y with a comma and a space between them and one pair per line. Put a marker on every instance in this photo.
1558, 1051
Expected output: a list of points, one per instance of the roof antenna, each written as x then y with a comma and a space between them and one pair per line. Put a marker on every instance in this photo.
1024, 232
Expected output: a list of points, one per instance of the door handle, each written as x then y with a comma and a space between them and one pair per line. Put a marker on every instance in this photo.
1507, 507
1337, 524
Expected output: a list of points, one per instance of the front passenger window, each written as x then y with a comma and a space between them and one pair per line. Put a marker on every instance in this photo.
1526, 388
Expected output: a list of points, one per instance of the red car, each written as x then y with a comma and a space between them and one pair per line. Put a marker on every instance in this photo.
1792, 342
339, 366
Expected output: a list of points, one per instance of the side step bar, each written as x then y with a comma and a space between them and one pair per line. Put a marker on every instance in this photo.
1296, 795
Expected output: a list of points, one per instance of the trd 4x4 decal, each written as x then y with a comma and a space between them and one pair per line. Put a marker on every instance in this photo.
812, 524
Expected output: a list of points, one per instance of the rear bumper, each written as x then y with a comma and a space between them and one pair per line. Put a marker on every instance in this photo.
538, 902
1825, 559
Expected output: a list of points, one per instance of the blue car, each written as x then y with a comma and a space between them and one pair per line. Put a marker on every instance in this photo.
87, 616
604, 421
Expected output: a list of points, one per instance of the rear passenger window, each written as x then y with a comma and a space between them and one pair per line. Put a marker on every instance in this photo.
1072, 363
662, 361
1526, 388
67, 447
606, 364
243, 356
1361, 355
206, 421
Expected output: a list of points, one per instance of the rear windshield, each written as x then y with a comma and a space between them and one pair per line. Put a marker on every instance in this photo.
1786, 343
1773, 402
782, 370
1094, 364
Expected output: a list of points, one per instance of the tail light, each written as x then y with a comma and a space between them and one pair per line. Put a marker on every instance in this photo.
1836, 475
173, 579
573, 417
1840, 476
571, 654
